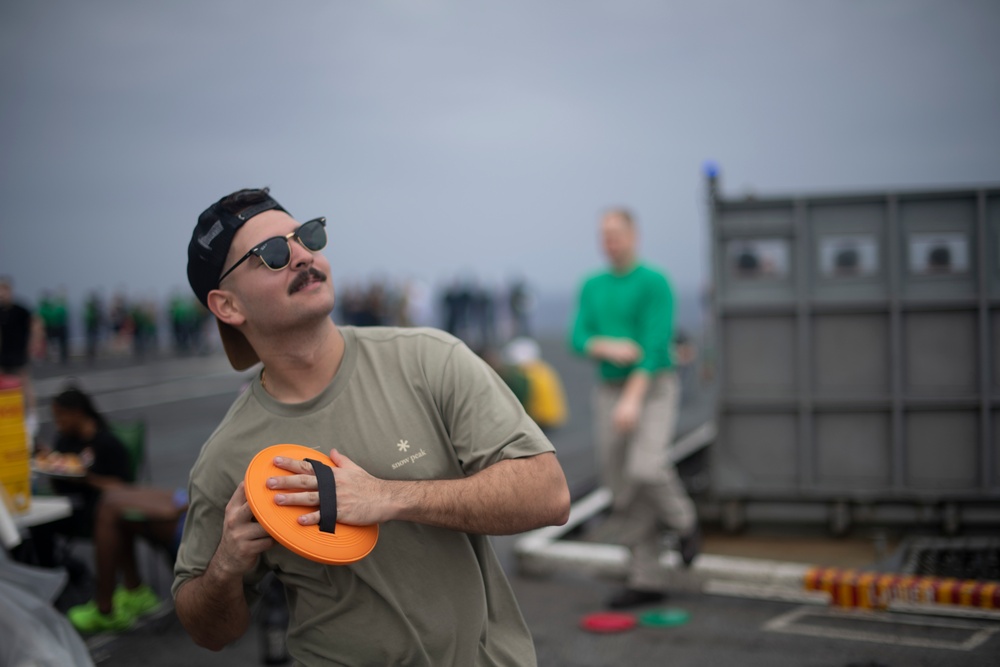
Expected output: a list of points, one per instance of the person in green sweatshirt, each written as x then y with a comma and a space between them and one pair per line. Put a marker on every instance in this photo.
624, 321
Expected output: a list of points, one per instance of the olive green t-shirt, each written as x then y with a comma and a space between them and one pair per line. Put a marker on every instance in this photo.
405, 404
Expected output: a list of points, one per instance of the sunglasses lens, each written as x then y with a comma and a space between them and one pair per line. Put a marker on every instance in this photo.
275, 253
313, 235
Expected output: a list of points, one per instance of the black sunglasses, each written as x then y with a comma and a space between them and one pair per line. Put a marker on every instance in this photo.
276, 252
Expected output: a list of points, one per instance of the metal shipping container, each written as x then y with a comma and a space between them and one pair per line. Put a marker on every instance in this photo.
858, 340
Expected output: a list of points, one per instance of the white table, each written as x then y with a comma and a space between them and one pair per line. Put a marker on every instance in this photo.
43, 510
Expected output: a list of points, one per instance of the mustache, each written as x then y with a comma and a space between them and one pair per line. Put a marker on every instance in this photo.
305, 277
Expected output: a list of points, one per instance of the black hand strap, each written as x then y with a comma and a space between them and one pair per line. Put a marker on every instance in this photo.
326, 485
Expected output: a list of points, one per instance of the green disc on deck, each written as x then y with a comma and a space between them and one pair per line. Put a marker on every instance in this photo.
664, 618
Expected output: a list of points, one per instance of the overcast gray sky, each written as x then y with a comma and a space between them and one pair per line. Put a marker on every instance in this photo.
440, 137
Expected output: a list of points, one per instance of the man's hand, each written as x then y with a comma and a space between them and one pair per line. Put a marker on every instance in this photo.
626, 413
628, 409
362, 500
212, 606
618, 351
243, 539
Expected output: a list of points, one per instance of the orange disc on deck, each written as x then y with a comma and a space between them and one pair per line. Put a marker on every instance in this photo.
346, 545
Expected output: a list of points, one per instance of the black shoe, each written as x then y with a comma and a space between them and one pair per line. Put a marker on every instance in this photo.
633, 597
690, 545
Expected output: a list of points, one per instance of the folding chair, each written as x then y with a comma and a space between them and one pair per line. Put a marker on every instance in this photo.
132, 434
152, 558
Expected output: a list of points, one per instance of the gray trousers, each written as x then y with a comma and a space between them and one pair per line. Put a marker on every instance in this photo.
647, 493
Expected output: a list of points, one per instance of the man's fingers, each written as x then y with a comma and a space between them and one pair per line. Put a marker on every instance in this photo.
310, 519
293, 482
238, 509
308, 499
294, 466
256, 531
238, 498
342, 461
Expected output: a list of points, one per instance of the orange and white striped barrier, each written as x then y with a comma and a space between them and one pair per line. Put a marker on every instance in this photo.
874, 590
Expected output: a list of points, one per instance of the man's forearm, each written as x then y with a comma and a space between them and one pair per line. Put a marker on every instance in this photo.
597, 347
509, 497
618, 351
636, 386
213, 609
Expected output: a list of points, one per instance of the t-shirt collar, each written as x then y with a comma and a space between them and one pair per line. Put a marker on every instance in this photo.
325, 397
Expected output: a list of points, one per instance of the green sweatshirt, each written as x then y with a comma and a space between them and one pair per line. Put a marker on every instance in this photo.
638, 305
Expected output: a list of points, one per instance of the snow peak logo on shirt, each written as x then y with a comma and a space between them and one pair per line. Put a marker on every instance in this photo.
404, 446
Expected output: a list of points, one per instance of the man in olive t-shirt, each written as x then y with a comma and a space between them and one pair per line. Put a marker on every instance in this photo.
427, 441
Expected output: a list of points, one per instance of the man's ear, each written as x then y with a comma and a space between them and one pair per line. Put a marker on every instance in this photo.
223, 305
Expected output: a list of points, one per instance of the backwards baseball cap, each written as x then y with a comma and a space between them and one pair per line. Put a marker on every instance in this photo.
207, 253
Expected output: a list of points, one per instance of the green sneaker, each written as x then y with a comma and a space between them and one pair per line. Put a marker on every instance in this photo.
88, 618
137, 602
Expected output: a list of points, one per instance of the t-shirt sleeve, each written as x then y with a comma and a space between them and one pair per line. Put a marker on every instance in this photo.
655, 324
484, 419
202, 534
583, 323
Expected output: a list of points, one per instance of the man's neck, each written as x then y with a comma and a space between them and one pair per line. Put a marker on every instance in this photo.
624, 266
301, 366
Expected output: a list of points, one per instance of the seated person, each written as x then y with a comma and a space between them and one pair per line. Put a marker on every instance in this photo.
81, 430
123, 513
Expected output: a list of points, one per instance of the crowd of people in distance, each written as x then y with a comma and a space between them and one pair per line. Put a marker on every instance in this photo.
124, 326
482, 317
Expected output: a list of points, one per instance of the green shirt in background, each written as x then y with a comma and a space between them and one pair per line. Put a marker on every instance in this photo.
638, 305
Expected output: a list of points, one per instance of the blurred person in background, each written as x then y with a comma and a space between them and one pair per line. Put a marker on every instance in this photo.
54, 312
122, 326
143, 318
520, 302
419, 304
624, 322
15, 338
535, 382
187, 317
123, 514
83, 432
93, 323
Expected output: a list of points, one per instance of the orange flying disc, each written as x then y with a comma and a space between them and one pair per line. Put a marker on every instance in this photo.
346, 544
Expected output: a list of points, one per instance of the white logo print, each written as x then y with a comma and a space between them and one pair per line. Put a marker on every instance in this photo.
404, 446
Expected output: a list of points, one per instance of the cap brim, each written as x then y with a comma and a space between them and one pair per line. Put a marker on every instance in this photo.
347, 545
238, 349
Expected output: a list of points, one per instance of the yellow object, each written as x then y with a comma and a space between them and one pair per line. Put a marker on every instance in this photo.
546, 401
15, 471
